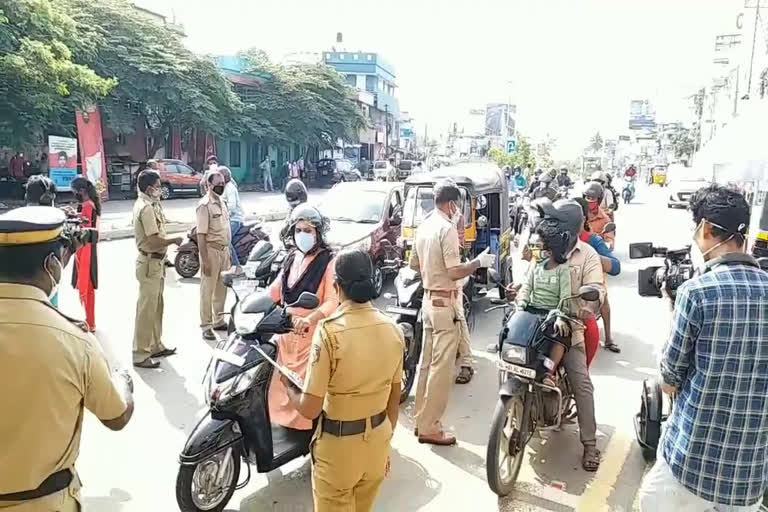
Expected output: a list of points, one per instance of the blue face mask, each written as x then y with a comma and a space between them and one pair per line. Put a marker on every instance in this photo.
305, 242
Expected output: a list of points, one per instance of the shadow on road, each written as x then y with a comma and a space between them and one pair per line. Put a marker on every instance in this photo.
408, 487
640, 352
179, 405
112, 503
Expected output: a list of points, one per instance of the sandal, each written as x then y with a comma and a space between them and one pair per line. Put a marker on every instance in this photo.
465, 375
590, 461
610, 345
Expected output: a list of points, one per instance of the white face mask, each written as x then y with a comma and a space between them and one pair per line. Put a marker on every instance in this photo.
699, 257
305, 242
54, 283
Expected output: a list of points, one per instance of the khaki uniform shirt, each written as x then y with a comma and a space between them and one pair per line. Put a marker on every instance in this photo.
148, 220
357, 354
50, 370
213, 221
585, 268
435, 250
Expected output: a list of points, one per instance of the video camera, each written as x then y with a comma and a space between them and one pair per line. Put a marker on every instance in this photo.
74, 235
677, 269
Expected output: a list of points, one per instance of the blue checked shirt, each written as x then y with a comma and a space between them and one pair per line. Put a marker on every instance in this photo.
716, 439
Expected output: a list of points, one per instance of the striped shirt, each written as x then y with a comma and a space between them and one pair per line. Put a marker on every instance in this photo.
716, 439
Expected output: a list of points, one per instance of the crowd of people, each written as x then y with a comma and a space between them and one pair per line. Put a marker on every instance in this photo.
350, 356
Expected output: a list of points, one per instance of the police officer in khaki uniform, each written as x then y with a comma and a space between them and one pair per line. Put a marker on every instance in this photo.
213, 238
151, 243
435, 255
353, 380
51, 368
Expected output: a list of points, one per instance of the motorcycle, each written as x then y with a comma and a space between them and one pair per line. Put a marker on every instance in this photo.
628, 192
236, 424
525, 403
187, 261
408, 297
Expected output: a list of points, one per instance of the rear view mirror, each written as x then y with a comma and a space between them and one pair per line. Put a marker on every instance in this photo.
610, 228
494, 276
640, 250
306, 301
589, 294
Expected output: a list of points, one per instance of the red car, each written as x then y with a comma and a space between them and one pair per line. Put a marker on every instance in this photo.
177, 179
366, 215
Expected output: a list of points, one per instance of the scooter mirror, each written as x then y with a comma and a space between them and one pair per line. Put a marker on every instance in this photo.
589, 293
306, 301
494, 276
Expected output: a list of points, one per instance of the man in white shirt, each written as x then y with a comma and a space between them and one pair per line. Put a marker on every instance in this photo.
267, 173
231, 197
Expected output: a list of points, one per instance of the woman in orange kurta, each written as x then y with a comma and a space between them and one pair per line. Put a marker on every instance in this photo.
309, 267
85, 276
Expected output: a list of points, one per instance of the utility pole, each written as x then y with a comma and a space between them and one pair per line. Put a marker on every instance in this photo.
386, 132
752, 56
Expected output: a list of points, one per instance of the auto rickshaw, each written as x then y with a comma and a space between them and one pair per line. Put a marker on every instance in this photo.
485, 206
659, 175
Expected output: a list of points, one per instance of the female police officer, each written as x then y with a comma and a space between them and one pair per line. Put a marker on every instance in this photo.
354, 381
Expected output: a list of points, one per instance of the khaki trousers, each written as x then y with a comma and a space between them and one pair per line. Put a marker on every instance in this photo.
465, 348
148, 326
213, 293
347, 472
438, 361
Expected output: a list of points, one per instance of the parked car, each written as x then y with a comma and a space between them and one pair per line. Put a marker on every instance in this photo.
336, 170
177, 179
681, 190
382, 170
404, 168
366, 215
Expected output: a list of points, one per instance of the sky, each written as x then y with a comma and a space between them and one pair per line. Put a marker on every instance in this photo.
571, 66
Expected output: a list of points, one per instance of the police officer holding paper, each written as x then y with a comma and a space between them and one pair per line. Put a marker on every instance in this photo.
51, 368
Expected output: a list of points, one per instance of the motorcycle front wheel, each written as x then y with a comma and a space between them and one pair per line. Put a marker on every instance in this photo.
506, 444
208, 485
187, 264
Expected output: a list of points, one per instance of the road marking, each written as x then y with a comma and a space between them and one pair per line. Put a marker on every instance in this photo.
595, 498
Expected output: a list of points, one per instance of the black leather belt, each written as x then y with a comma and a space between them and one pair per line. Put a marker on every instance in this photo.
153, 255
54, 483
351, 428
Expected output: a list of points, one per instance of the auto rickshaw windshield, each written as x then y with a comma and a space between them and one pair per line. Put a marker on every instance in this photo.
420, 201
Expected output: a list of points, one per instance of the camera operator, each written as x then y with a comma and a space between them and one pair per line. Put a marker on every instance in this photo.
51, 367
712, 455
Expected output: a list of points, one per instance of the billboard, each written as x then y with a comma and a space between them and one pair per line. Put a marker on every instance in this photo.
641, 115
62, 161
500, 120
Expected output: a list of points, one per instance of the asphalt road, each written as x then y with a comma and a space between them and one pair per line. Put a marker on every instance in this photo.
135, 469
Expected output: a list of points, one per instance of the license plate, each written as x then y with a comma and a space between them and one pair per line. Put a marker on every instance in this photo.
402, 311
520, 371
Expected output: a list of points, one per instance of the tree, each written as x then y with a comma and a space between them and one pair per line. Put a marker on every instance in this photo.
596, 143
683, 142
41, 82
161, 82
523, 158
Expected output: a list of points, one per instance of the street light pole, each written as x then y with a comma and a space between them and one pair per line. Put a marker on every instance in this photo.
752, 56
386, 132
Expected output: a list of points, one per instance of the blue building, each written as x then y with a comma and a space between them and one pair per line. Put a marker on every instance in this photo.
370, 73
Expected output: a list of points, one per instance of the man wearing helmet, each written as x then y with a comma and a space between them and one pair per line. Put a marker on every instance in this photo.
598, 219
545, 188
307, 268
295, 194
585, 268
563, 180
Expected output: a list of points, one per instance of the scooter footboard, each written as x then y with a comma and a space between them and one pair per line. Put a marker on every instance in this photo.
209, 437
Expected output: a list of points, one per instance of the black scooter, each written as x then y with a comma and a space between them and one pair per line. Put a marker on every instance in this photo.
237, 425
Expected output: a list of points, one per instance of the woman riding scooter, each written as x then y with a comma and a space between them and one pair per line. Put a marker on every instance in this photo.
597, 218
307, 268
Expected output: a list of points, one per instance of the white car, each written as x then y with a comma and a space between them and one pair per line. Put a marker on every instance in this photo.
681, 190
383, 170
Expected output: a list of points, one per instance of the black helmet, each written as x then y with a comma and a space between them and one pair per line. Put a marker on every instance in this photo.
295, 192
546, 178
598, 177
593, 189
41, 190
560, 225
305, 212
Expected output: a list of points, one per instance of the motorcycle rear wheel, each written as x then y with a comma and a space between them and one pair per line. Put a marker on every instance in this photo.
190, 478
187, 264
411, 363
504, 459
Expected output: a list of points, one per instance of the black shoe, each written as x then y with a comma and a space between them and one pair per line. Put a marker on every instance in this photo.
148, 363
221, 327
165, 352
209, 335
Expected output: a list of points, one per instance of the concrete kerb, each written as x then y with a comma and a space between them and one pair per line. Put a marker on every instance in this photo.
120, 233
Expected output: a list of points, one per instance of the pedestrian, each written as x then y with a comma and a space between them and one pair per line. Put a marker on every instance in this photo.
85, 276
214, 238
40, 191
586, 270
392, 175
266, 174
51, 369
285, 174
436, 256
308, 267
231, 198
712, 454
151, 243
16, 166
353, 384
302, 174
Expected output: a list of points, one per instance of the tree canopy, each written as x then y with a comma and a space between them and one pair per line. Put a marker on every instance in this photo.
524, 156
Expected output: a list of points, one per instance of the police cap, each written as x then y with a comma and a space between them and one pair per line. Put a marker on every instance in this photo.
30, 225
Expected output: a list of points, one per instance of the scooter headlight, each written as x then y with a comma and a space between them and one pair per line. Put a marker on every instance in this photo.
234, 386
514, 354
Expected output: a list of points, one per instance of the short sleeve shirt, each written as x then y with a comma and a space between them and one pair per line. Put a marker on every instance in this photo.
213, 221
148, 220
436, 249
356, 356
50, 370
